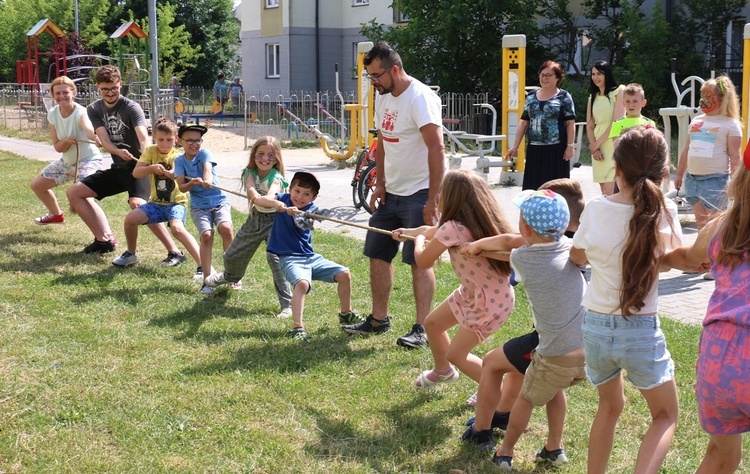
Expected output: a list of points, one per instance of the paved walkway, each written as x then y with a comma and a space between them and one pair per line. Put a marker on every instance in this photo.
683, 297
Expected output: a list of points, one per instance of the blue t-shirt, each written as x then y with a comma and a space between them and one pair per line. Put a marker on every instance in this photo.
286, 238
200, 197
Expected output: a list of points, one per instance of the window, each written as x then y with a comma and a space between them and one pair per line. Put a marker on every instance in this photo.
359, 3
272, 60
398, 16
272, 3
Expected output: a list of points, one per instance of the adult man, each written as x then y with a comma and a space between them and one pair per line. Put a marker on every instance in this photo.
410, 166
122, 128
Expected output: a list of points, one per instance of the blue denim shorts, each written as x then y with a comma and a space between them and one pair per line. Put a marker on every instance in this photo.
163, 212
636, 345
709, 190
296, 268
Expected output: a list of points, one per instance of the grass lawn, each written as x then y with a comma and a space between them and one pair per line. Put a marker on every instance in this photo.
111, 370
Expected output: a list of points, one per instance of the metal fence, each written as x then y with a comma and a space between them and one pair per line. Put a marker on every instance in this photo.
282, 114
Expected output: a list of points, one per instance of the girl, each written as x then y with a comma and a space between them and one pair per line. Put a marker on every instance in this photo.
264, 175
712, 150
604, 107
621, 328
72, 135
468, 211
723, 368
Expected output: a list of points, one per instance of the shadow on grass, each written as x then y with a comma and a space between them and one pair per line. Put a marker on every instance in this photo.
20, 258
272, 349
203, 310
411, 432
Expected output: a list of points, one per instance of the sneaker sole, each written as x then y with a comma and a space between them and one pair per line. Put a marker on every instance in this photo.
47, 223
357, 332
409, 345
124, 266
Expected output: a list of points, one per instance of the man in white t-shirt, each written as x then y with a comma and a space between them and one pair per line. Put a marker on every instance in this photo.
410, 166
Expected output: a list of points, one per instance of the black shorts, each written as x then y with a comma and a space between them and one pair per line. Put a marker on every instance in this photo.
398, 211
118, 180
518, 350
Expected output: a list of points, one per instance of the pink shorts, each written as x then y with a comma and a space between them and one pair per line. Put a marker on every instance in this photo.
723, 385
61, 172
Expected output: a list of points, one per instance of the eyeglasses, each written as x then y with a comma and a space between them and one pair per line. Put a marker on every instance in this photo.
546, 76
376, 77
109, 90
194, 142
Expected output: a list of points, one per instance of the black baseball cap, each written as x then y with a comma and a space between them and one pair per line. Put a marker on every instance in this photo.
191, 127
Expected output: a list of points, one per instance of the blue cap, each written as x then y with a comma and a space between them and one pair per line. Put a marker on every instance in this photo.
544, 211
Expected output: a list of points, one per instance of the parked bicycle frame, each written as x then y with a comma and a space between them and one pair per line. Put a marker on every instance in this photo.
363, 180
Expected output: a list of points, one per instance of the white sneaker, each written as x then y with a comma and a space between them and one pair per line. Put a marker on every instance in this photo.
207, 290
199, 273
127, 259
285, 313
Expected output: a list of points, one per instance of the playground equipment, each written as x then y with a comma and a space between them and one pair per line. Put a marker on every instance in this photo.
683, 113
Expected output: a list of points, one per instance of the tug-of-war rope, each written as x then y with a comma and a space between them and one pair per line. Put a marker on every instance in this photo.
303, 220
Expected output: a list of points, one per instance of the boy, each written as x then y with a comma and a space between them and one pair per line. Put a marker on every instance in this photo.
299, 263
209, 206
634, 99
555, 287
167, 204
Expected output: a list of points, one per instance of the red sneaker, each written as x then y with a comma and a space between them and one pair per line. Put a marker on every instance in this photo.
49, 219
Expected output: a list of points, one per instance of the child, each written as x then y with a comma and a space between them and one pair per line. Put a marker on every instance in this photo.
167, 203
482, 303
293, 245
723, 368
621, 328
554, 286
634, 99
712, 150
503, 368
209, 206
264, 175
72, 135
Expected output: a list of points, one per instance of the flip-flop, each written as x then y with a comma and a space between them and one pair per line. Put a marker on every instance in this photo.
423, 382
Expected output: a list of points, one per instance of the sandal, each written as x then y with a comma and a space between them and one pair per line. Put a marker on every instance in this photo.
472, 400
423, 382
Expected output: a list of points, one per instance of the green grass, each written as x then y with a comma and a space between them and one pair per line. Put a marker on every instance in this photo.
104, 369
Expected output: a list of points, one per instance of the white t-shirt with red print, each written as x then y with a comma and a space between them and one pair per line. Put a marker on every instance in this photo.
399, 120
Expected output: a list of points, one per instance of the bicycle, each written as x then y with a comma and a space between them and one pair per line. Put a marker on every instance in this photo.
364, 173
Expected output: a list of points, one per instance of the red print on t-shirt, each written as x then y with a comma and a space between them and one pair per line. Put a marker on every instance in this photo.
389, 120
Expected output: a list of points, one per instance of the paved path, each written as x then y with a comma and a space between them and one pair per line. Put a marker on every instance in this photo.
683, 297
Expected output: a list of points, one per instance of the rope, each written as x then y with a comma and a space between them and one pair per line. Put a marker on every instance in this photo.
321, 217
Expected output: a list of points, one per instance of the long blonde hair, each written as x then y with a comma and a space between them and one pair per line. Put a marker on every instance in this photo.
724, 89
467, 198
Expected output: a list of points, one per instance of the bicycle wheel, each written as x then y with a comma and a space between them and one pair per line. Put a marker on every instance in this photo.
367, 181
355, 179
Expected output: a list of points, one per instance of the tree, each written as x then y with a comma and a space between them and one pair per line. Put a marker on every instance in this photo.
609, 34
707, 22
456, 45
647, 57
212, 27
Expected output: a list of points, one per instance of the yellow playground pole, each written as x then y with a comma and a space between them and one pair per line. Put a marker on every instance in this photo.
746, 84
514, 92
366, 96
